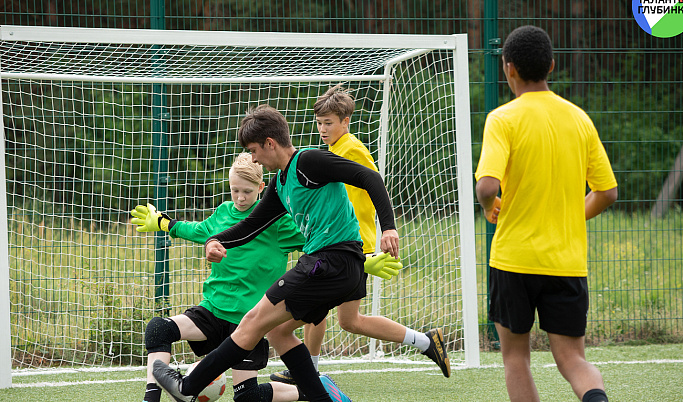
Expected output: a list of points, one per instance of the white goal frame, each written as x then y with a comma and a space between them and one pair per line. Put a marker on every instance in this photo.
414, 45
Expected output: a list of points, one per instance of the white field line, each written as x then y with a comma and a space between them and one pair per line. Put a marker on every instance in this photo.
332, 372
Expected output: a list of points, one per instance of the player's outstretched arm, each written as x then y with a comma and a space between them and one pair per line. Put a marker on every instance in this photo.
382, 265
149, 220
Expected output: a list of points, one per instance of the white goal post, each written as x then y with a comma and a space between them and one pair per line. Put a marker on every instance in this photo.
96, 121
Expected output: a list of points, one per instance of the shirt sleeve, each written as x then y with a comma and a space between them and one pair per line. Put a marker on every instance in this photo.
599, 175
318, 167
495, 149
196, 232
267, 212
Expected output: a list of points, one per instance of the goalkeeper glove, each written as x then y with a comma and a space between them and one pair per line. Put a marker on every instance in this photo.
382, 265
149, 220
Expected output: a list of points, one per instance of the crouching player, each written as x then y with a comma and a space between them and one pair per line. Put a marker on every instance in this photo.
234, 286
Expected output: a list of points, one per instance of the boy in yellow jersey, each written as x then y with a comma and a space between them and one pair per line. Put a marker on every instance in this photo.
333, 112
540, 150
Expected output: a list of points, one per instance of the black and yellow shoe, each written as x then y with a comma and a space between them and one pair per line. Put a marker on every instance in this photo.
284, 376
437, 351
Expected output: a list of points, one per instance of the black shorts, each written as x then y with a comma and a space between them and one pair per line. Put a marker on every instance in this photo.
561, 301
319, 282
216, 331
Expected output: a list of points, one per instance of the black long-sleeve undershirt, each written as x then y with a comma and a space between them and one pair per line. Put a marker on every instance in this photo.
315, 169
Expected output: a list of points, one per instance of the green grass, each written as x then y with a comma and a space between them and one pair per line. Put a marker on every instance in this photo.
650, 380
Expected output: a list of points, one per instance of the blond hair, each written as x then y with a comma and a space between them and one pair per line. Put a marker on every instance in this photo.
337, 100
246, 169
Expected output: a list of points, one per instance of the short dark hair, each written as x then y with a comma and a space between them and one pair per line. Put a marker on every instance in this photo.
529, 49
261, 123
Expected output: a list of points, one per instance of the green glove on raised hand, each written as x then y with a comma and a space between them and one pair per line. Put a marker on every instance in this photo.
149, 220
382, 265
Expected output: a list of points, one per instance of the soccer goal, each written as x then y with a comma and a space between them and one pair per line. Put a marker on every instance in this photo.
96, 121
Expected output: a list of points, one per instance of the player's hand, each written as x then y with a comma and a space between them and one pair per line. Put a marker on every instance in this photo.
492, 214
389, 242
382, 265
148, 219
215, 251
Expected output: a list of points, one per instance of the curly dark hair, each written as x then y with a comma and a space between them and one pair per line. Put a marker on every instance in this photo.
529, 49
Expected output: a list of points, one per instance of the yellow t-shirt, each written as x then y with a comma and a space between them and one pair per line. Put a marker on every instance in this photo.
350, 147
543, 149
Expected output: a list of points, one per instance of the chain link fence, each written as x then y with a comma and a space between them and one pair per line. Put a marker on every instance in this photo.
630, 83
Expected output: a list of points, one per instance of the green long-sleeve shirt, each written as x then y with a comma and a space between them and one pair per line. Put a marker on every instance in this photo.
241, 279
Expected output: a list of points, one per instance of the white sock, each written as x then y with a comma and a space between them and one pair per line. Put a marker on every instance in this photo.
315, 361
417, 339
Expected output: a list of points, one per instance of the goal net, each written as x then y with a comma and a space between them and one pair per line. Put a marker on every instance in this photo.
98, 121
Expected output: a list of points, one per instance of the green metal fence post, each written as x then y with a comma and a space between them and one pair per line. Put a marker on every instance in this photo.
492, 43
160, 117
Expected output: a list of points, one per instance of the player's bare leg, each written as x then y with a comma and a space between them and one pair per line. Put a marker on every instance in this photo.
314, 335
430, 343
516, 353
378, 327
569, 354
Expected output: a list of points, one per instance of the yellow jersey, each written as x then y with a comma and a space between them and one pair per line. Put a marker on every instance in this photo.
350, 147
544, 150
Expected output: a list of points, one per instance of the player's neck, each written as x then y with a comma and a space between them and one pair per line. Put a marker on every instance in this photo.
522, 87
285, 156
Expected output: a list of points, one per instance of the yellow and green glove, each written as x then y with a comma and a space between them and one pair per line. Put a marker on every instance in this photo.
383, 265
149, 220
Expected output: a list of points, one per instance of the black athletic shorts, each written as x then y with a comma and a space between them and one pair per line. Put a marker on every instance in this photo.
561, 302
216, 331
321, 281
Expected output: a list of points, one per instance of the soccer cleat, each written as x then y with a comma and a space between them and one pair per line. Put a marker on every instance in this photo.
170, 380
333, 390
437, 351
284, 377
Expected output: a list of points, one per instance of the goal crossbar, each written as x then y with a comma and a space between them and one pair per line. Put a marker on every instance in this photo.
221, 38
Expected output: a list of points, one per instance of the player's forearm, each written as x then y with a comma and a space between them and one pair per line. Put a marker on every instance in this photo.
598, 201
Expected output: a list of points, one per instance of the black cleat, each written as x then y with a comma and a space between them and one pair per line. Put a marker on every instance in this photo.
170, 380
284, 376
437, 351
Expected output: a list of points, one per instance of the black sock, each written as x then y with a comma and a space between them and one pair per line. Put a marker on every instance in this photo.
226, 355
152, 393
302, 396
300, 365
594, 395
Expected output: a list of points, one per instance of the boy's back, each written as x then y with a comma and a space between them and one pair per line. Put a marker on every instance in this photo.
543, 149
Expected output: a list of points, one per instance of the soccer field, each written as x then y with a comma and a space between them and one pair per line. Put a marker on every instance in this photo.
631, 373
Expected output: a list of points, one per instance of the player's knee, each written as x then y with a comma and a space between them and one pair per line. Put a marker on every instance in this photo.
352, 324
250, 391
160, 335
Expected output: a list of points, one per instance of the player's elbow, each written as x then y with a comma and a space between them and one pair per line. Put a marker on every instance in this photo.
610, 196
487, 188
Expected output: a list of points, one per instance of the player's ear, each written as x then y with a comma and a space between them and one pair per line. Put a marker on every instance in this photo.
552, 66
261, 187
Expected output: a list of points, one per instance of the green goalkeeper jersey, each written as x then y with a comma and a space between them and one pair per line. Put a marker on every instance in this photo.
241, 279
